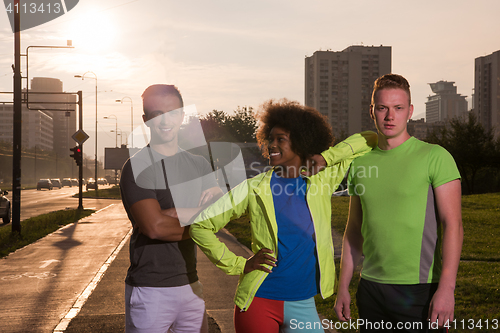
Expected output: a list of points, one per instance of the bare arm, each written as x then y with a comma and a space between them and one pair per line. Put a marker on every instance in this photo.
151, 222
448, 201
352, 249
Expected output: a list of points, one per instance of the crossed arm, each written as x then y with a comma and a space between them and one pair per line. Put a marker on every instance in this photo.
164, 225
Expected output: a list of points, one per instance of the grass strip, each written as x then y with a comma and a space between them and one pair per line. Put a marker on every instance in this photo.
37, 227
106, 193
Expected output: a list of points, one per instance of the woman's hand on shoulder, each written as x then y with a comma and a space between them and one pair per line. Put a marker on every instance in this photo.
314, 164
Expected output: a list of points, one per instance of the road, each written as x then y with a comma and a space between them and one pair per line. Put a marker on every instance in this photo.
34, 203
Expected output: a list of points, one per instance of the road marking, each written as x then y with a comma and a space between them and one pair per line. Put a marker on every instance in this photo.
40, 276
48, 262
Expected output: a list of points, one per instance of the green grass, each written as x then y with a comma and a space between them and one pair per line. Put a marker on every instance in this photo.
240, 228
37, 227
477, 294
481, 216
107, 193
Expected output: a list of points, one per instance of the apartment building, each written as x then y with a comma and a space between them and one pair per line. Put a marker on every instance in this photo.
487, 91
339, 85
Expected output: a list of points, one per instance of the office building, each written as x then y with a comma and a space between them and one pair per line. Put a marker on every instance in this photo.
48, 122
487, 91
446, 104
418, 128
63, 115
36, 130
340, 84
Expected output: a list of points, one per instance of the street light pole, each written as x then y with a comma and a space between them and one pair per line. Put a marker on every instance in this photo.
116, 127
131, 117
121, 135
95, 78
17, 125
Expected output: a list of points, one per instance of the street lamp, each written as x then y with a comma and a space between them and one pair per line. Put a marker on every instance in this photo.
116, 127
95, 78
131, 117
120, 134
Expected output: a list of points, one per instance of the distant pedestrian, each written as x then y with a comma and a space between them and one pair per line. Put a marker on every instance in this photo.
290, 221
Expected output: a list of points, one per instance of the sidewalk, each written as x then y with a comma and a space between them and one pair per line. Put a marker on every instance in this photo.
40, 283
104, 309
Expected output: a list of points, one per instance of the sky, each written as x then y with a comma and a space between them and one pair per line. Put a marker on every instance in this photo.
225, 54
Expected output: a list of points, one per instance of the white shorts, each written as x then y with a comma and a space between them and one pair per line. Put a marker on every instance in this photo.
161, 310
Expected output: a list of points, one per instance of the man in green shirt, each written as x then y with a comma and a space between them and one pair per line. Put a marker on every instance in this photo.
405, 218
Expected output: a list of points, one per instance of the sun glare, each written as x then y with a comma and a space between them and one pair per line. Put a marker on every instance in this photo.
96, 32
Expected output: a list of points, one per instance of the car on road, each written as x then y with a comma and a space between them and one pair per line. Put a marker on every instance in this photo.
74, 182
5, 210
56, 182
44, 183
91, 184
66, 182
102, 181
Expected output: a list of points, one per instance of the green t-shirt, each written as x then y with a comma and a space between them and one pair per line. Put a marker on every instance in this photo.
401, 230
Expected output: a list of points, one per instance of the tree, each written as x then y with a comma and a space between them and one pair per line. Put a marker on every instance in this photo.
240, 127
471, 145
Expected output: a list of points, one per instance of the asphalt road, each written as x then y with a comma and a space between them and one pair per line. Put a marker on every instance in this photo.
34, 203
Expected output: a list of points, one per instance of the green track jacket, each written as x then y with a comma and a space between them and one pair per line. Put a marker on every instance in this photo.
253, 196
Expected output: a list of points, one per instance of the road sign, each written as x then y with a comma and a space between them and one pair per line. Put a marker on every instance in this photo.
80, 136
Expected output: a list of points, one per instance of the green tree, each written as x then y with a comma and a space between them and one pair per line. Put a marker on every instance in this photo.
239, 127
471, 145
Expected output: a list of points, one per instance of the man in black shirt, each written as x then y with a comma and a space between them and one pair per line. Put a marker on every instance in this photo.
160, 185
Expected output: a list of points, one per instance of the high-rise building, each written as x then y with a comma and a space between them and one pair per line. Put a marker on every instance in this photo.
487, 91
340, 84
43, 126
36, 130
64, 121
446, 104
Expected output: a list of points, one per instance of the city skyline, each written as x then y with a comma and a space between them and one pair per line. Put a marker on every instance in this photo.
223, 54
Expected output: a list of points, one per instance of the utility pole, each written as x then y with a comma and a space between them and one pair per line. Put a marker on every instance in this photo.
80, 169
16, 155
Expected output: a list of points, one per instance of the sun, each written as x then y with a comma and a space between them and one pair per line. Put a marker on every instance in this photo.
94, 32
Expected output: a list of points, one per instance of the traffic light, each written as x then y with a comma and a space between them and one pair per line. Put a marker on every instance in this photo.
77, 155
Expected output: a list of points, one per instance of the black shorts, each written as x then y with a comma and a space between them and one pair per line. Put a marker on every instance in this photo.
393, 307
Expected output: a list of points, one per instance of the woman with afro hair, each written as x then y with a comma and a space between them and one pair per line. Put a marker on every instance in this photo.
289, 207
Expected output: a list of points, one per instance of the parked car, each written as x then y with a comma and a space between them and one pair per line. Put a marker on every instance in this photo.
102, 181
5, 210
74, 182
56, 182
44, 183
66, 182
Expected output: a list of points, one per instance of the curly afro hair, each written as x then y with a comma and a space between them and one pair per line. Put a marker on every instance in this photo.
310, 132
